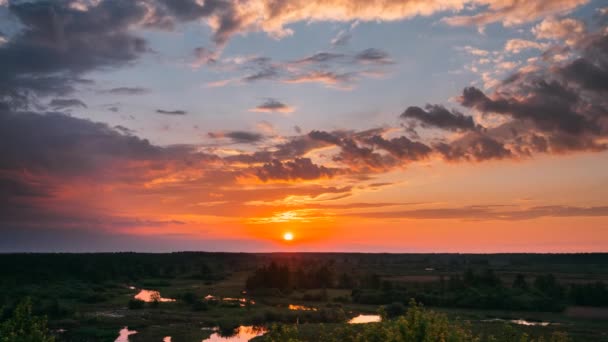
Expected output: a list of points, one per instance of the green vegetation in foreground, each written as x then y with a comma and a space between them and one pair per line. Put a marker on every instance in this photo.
24, 327
416, 325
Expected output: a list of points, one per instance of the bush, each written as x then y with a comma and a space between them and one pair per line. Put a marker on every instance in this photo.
416, 325
135, 304
199, 305
395, 309
25, 327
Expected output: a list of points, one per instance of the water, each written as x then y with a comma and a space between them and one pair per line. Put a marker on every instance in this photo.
244, 334
151, 295
519, 322
123, 334
242, 301
301, 307
365, 319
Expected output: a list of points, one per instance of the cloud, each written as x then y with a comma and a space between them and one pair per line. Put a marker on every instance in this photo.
361, 151
264, 74
401, 147
335, 70
514, 12
59, 43
128, 91
438, 116
171, 112
490, 213
239, 137
66, 103
204, 56
566, 29
272, 106
298, 169
57, 144
329, 78
321, 57
342, 38
518, 45
373, 56
473, 147
475, 51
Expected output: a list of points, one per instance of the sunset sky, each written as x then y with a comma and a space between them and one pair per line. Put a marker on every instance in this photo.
355, 125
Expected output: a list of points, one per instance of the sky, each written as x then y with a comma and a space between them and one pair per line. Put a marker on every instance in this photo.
357, 126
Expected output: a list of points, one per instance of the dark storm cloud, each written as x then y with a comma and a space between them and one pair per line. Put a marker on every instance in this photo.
438, 116
128, 91
550, 105
591, 70
298, 169
171, 112
58, 43
66, 103
58, 144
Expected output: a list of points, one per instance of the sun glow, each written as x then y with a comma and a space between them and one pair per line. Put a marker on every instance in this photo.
288, 236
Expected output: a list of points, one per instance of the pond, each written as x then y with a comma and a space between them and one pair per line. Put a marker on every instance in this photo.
301, 307
519, 322
123, 334
151, 295
365, 319
243, 334
242, 301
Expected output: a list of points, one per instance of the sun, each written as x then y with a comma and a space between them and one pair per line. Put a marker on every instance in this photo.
288, 236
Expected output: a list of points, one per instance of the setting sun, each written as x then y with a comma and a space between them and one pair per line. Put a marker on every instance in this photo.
288, 236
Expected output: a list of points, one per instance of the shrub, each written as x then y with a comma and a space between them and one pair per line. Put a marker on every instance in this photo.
135, 304
25, 327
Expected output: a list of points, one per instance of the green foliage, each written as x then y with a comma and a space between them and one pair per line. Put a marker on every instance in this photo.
24, 327
416, 325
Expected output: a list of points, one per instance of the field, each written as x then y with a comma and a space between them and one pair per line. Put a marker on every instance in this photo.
91, 297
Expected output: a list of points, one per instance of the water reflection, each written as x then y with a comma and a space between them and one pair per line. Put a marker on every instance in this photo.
151, 296
519, 322
241, 301
364, 319
301, 307
123, 334
242, 334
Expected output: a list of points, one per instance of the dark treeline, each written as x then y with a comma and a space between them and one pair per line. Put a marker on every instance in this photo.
472, 289
95, 267
282, 277
486, 290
